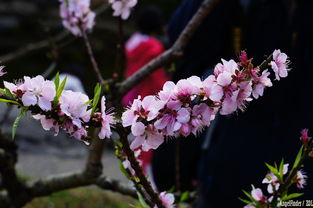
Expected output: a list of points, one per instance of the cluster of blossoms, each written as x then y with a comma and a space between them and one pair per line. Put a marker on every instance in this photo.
274, 182
76, 15
122, 8
276, 179
191, 104
69, 110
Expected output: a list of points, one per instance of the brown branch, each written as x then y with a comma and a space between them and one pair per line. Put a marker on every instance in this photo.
45, 187
138, 171
174, 52
31, 47
92, 57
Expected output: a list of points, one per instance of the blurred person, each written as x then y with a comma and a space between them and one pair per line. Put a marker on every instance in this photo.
269, 129
214, 39
75, 74
141, 48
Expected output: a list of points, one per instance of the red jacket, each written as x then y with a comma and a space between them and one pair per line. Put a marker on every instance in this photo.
141, 49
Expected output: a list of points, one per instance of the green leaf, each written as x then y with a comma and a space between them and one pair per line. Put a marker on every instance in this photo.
15, 124
119, 144
245, 201
291, 196
142, 201
298, 158
8, 93
272, 169
184, 196
60, 90
97, 93
281, 169
123, 170
57, 81
248, 195
8, 101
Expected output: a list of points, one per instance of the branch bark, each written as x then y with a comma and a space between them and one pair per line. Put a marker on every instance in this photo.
135, 165
61, 182
31, 47
174, 52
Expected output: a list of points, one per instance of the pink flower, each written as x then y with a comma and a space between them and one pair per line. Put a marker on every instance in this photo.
245, 90
212, 89
35, 91
127, 165
262, 82
47, 124
229, 104
185, 89
249, 206
301, 179
305, 139
74, 105
1, 71
80, 134
167, 199
122, 7
168, 91
173, 118
146, 137
200, 117
258, 195
227, 66
147, 109
272, 181
106, 121
280, 64
76, 15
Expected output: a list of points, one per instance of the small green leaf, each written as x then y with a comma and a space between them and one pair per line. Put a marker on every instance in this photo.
291, 196
8, 101
171, 190
57, 81
97, 93
123, 170
248, 195
119, 144
245, 201
15, 124
298, 158
272, 169
281, 168
142, 201
60, 90
8, 93
184, 196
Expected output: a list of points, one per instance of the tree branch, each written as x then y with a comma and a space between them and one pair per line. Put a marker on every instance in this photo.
45, 187
174, 52
138, 171
31, 47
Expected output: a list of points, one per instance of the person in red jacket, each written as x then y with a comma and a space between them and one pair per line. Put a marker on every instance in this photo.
140, 49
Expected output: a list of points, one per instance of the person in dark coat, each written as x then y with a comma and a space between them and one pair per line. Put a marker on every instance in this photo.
212, 41
269, 129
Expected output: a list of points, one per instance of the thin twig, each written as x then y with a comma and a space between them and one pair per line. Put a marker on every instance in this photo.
138, 170
91, 56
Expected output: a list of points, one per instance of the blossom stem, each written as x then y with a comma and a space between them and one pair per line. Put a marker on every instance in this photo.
131, 177
289, 180
91, 56
135, 165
